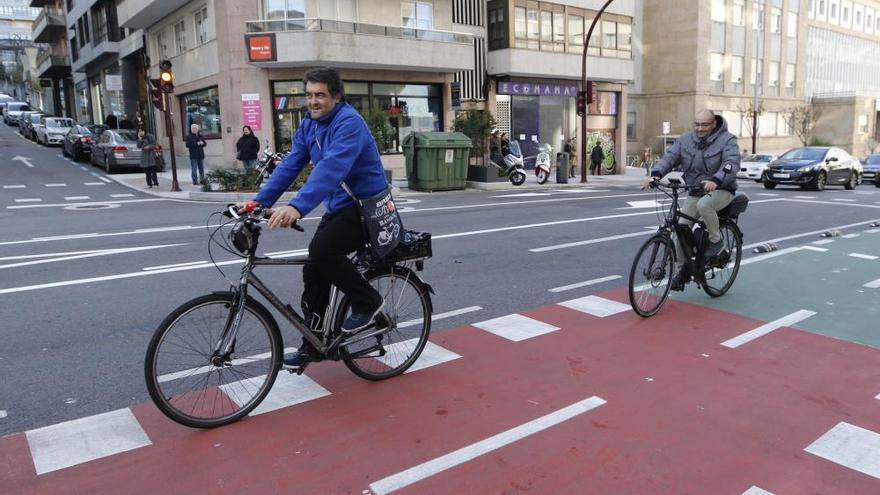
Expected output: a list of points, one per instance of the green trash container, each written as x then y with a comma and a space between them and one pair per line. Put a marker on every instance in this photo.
436, 161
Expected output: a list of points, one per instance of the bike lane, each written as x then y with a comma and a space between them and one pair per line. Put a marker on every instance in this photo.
679, 413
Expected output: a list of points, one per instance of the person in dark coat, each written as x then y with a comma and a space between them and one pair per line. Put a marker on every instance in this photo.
247, 147
125, 123
111, 122
596, 157
196, 145
147, 144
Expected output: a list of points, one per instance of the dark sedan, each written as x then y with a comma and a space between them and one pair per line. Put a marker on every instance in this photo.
871, 166
78, 141
813, 167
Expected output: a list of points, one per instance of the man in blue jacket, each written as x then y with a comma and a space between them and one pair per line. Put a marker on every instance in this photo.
337, 140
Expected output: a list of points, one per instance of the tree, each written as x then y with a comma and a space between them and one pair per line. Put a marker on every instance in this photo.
747, 114
477, 125
383, 133
802, 119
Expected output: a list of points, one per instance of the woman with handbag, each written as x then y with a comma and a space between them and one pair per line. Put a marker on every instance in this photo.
147, 144
247, 147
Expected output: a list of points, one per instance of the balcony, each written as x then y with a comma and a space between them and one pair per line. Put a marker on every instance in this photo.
51, 65
517, 62
311, 42
48, 25
142, 14
41, 3
95, 54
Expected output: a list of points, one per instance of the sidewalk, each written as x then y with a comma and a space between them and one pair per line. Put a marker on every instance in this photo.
189, 192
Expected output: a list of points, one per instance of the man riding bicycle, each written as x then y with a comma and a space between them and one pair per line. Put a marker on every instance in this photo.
709, 158
337, 140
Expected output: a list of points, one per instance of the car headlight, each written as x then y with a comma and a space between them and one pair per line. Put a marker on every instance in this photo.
805, 169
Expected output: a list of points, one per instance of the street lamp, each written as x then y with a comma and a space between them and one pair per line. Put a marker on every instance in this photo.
584, 88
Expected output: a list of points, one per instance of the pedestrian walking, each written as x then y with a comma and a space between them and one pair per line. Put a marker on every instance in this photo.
196, 145
124, 123
572, 157
596, 157
247, 147
147, 144
111, 122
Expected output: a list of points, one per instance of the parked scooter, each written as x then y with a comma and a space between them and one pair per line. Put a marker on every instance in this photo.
266, 164
542, 163
513, 163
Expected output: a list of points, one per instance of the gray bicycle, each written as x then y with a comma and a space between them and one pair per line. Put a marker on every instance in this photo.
215, 358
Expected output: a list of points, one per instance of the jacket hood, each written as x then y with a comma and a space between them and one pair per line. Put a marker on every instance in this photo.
720, 128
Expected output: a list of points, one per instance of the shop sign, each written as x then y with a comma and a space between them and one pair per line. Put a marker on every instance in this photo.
261, 47
113, 82
536, 89
251, 112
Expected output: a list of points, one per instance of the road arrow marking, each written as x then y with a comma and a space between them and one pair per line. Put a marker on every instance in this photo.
25, 160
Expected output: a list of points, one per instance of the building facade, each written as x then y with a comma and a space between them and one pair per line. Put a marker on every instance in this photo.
49, 31
16, 18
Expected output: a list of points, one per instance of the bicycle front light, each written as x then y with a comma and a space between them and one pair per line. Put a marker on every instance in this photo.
243, 237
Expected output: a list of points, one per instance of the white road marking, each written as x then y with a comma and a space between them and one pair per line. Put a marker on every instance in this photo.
596, 306
432, 355
590, 241
814, 248
25, 160
288, 390
642, 204
205, 369
774, 254
84, 169
75, 198
767, 194
579, 190
82, 440
125, 195
529, 202
785, 321
823, 241
873, 285
56, 185
108, 181
86, 204
440, 316
437, 465
585, 284
3, 413
543, 224
756, 491
522, 195
516, 327
844, 200
850, 446
94, 184
804, 197
28, 200
863, 256
872, 231
174, 266
850, 236
15, 186
87, 254
877, 396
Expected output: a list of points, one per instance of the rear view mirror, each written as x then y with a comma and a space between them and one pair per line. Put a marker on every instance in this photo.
832, 159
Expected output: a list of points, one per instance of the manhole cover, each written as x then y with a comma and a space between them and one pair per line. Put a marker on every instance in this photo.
102, 206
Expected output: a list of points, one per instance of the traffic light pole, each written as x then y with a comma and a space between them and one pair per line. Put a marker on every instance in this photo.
175, 187
584, 88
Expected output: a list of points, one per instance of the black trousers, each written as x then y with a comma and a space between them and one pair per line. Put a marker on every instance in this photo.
152, 179
338, 235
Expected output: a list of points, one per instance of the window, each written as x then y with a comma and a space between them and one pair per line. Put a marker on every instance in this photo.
782, 127
758, 16
738, 12
180, 37
338, 10
533, 29
716, 67
773, 75
546, 27
775, 21
202, 108
631, 126
161, 45
201, 22
790, 74
559, 31
863, 124
418, 14
792, 28
832, 13
767, 124
609, 38
753, 72
284, 9
736, 70
624, 40
718, 11
576, 33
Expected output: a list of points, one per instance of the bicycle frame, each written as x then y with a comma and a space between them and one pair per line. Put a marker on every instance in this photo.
693, 255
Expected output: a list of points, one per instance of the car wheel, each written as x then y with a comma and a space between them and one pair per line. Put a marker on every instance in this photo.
819, 183
769, 185
852, 182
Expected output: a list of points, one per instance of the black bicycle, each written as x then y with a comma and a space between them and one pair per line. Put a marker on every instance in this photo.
215, 358
653, 268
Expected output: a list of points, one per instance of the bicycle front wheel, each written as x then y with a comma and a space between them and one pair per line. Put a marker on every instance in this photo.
651, 275
722, 271
196, 387
408, 310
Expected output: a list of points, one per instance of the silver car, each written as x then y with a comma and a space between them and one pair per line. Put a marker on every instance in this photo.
13, 110
53, 129
116, 148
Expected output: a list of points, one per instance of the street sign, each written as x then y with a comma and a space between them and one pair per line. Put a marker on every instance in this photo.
114, 82
667, 127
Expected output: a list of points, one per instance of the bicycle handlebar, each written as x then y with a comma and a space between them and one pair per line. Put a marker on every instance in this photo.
256, 212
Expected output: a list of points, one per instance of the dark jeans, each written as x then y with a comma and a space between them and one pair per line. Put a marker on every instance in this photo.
337, 235
152, 179
197, 165
596, 168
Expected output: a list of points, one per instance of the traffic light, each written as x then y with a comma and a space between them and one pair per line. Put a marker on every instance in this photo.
156, 94
591, 92
581, 103
166, 76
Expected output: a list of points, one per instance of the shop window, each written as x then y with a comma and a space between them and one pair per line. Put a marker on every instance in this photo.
604, 104
202, 108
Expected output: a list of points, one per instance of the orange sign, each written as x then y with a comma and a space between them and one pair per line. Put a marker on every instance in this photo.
261, 47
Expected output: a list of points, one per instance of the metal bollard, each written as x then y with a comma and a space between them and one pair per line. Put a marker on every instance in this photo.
830, 233
766, 248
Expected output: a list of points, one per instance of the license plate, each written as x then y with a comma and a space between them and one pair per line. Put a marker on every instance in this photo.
781, 176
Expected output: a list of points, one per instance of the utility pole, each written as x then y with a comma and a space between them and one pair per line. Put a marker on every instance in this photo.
589, 93
759, 69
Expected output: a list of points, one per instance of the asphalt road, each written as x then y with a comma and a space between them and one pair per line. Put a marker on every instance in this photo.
89, 267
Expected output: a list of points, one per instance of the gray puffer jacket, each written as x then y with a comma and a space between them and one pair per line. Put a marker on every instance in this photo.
703, 161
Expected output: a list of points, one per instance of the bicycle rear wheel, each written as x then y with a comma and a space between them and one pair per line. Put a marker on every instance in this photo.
651, 275
722, 271
408, 309
196, 388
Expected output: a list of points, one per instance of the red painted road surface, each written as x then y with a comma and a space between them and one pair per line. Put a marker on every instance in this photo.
683, 415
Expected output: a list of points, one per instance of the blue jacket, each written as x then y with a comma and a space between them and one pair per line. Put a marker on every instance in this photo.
343, 149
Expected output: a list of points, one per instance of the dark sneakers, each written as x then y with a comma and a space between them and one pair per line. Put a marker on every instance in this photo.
678, 281
359, 321
713, 249
299, 359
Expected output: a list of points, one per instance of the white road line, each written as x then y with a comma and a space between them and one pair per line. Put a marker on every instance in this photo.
125, 195
205, 369
438, 465
440, 316
82, 440
522, 195
94, 184
872, 231
818, 202
756, 491
84, 169
814, 248
28, 200
806, 234
89, 254
55, 185
287, 391
823, 241
516, 327
767, 194
174, 266
850, 236
590, 241
774, 254
863, 256
75, 198
585, 284
596, 306
15, 186
850, 446
651, 203
873, 285
543, 224
535, 201
877, 396
785, 321
108, 181
432, 355
844, 200
87, 204
804, 197
3, 413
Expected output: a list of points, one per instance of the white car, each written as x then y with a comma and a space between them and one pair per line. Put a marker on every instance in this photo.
752, 166
53, 129
13, 110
